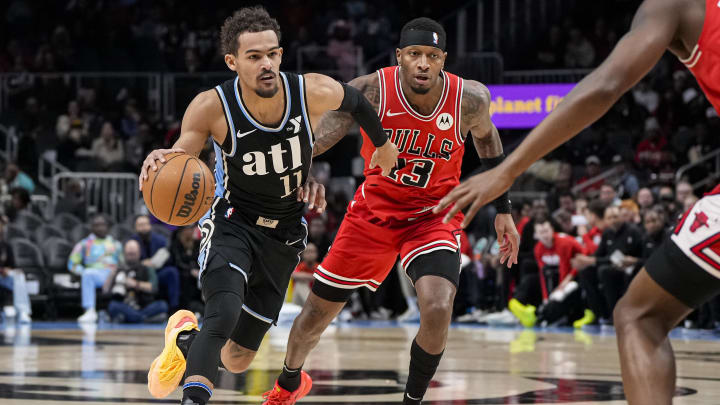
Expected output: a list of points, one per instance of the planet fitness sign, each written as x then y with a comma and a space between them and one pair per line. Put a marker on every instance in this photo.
524, 105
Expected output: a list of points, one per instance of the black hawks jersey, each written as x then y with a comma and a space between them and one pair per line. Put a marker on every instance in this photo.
257, 168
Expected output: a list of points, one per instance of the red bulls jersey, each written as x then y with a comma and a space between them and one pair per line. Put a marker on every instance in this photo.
431, 150
704, 61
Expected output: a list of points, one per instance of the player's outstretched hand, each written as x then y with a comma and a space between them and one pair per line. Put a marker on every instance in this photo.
385, 157
508, 238
478, 190
149, 163
312, 193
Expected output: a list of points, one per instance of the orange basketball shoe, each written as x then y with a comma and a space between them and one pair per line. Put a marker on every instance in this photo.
281, 396
168, 368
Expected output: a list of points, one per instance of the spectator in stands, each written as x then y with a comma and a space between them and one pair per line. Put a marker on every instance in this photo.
154, 254
689, 202
73, 119
646, 96
564, 220
666, 197
107, 150
318, 234
16, 178
130, 121
184, 251
14, 296
629, 212
93, 259
628, 183
645, 199
553, 286
615, 259
592, 169
303, 275
342, 49
683, 190
566, 202
70, 152
134, 289
655, 226
608, 195
579, 52
651, 153
591, 234
73, 200
20, 203
374, 31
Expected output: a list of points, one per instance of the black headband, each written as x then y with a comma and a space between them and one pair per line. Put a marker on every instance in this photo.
420, 37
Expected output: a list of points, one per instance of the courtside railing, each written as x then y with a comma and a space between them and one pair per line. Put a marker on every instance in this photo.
113, 194
712, 158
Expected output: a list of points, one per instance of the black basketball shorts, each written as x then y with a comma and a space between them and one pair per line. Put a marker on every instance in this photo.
264, 257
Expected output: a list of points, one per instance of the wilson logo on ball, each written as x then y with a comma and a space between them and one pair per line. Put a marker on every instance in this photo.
190, 198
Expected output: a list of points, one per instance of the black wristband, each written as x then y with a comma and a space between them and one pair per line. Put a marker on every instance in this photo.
502, 204
364, 114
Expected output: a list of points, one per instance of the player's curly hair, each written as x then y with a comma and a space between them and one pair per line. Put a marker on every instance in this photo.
247, 19
426, 24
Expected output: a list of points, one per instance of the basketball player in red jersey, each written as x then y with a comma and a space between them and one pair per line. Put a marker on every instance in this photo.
427, 113
683, 273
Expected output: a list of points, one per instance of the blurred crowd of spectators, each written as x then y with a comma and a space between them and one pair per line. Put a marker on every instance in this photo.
614, 182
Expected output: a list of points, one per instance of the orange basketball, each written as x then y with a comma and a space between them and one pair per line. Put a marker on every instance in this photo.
181, 191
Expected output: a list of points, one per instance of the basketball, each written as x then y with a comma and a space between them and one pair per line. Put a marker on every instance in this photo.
180, 191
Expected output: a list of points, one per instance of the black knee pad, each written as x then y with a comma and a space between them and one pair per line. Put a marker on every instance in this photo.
441, 263
222, 312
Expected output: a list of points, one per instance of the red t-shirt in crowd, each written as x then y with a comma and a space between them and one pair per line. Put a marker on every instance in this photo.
591, 240
563, 249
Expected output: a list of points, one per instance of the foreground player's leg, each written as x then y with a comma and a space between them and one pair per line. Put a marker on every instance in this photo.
316, 315
436, 294
168, 368
643, 318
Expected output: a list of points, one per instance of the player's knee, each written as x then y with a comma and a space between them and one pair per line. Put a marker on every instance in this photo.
222, 311
235, 358
624, 315
436, 312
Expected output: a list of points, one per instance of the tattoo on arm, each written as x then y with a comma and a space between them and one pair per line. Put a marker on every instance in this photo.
475, 118
489, 146
334, 125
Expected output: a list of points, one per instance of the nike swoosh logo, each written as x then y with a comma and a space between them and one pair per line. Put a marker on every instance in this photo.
239, 135
392, 114
414, 399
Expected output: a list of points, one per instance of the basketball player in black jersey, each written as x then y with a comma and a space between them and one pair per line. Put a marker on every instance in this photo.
261, 125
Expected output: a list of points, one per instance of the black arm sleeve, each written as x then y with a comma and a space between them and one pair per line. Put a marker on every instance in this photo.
364, 114
502, 204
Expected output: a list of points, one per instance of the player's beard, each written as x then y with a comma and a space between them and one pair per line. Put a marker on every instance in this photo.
267, 93
420, 90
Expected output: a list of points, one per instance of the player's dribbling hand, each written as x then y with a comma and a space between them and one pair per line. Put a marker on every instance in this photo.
149, 163
385, 157
478, 190
312, 193
509, 239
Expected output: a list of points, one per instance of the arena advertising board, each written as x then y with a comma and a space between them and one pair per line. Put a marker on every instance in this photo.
515, 106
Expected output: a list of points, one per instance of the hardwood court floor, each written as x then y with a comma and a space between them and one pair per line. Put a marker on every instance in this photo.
365, 364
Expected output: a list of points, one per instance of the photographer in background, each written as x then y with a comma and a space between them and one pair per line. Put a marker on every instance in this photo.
134, 289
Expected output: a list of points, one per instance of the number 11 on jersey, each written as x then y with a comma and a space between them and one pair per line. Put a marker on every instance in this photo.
286, 182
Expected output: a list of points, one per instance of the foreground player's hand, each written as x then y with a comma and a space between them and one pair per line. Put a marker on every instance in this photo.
508, 238
312, 193
385, 157
149, 163
478, 190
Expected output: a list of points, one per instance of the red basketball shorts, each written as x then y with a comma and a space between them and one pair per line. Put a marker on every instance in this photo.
366, 248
